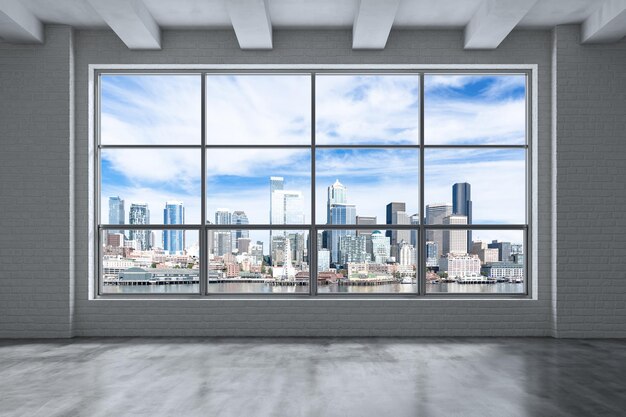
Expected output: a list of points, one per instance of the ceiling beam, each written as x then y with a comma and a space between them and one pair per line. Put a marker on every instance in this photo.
372, 23
131, 21
607, 24
493, 21
252, 24
18, 24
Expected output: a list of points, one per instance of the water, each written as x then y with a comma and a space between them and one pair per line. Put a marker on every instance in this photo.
261, 288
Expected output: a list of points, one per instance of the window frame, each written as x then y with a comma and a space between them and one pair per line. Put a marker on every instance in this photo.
96, 281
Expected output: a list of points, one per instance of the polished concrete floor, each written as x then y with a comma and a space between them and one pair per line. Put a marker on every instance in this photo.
313, 377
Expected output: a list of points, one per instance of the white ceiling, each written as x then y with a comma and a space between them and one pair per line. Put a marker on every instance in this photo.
139, 22
212, 14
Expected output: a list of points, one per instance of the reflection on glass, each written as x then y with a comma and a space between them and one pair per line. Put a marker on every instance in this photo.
376, 185
366, 261
150, 109
149, 261
258, 261
150, 186
266, 186
367, 109
486, 186
258, 109
475, 261
475, 109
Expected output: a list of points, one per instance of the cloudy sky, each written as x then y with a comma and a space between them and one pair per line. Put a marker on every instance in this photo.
275, 109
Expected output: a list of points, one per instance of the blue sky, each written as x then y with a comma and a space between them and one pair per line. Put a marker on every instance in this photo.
254, 109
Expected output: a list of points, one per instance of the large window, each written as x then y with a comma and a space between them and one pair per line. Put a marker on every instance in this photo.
312, 183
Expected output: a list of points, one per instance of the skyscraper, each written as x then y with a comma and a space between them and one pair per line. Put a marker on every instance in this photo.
340, 214
352, 249
381, 247
415, 220
435, 213
369, 220
140, 214
337, 194
462, 205
222, 239
174, 240
117, 213
396, 214
455, 241
276, 183
238, 217
287, 207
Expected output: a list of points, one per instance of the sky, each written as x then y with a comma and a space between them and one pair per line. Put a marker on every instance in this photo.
350, 109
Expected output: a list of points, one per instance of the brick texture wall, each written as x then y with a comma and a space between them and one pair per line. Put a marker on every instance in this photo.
591, 178
35, 177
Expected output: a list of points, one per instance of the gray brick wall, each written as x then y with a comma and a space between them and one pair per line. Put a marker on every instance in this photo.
313, 317
591, 197
35, 175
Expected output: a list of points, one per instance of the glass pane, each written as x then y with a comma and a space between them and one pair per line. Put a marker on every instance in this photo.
475, 109
482, 186
258, 109
258, 261
475, 261
150, 109
367, 109
150, 261
150, 186
375, 185
366, 261
264, 186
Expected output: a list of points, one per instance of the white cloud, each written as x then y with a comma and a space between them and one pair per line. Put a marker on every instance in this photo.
151, 110
254, 109
367, 109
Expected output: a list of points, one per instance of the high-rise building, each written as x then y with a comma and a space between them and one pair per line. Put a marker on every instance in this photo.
337, 194
432, 255
415, 220
380, 246
222, 239
287, 207
340, 214
352, 249
140, 214
276, 184
455, 241
462, 205
396, 214
174, 240
323, 260
238, 217
368, 220
435, 213
117, 214
407, 254
504, 250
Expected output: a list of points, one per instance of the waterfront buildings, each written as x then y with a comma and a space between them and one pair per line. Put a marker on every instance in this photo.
460, 265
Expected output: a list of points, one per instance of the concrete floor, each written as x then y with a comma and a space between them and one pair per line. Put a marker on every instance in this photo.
313, 377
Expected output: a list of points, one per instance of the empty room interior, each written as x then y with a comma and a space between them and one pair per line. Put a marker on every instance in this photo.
313, 208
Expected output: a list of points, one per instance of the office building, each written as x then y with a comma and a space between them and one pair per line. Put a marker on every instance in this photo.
462, 205
381, 247
117, 214
455, 241
435, 213
504, 250
140, 214
238, 217
174, 240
